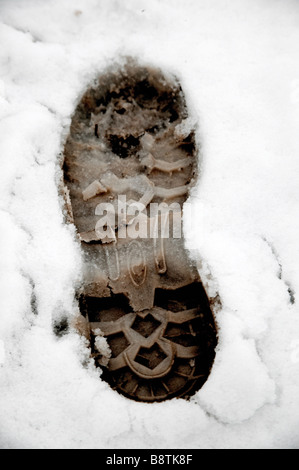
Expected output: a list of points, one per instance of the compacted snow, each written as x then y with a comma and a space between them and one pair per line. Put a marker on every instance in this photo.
238, 64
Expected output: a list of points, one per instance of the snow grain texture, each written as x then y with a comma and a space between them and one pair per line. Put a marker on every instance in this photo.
237, 62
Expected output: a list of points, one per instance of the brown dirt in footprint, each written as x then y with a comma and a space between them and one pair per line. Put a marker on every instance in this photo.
127, 160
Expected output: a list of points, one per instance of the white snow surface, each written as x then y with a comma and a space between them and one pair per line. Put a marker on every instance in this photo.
238, 64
